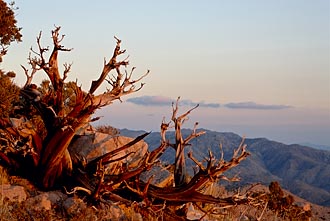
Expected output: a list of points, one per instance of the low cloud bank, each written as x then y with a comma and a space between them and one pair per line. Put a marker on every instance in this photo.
166, 101
151, 101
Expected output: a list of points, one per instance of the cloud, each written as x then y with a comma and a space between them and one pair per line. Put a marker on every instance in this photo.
201, 104
166, 101
252, 105
151, 101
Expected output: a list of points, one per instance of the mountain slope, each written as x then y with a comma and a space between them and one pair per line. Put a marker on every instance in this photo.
302, 170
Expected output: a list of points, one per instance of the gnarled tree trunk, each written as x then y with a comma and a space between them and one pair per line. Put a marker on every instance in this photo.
53, 157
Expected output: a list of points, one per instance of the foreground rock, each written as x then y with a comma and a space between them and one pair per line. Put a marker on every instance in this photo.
91, 146
13, 193
46, 201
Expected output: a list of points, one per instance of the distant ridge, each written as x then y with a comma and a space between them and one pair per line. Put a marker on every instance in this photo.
302, 170
316, 146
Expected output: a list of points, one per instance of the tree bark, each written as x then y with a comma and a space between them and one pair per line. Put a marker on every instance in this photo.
55, 160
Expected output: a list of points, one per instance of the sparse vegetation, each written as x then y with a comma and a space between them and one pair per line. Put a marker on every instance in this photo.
283, 204
108, 130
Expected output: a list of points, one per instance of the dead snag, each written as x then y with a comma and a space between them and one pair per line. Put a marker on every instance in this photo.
61, 121
180, 176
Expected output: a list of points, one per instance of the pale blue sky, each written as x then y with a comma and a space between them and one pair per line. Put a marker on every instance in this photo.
263, 65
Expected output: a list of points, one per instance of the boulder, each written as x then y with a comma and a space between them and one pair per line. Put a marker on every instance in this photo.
74, 206
45, 201
114, 212
13, 193
94, 145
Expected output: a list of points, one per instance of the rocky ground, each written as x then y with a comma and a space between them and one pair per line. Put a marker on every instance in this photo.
21, 200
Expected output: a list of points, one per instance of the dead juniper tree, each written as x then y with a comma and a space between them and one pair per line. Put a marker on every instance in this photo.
185, 190
180, 172
50, 157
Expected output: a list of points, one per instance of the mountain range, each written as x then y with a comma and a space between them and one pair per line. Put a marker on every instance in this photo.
302, 170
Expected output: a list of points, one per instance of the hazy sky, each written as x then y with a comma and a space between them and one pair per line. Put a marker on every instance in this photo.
258, 68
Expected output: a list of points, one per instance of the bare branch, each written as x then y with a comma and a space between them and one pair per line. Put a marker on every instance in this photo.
180, 164
263, 211
29, 77
144, 192
241, 147
39, 60
100, 173
199, 164
118, 90
163, 128
137, 80
78, 188
221, 160
175, 110
57, 40
112, 64
67, 68
130, 74
193, 135
104, 158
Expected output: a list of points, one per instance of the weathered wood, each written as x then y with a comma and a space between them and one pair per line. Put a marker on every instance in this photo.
61, 125
180, 173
